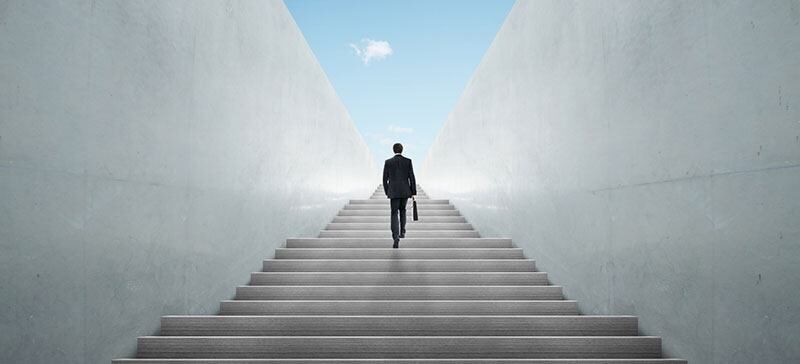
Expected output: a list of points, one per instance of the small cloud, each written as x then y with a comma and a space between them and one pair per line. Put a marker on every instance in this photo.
372, 49
400, 130
386, 141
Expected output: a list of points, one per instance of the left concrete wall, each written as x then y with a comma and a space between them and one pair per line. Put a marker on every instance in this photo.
152, 153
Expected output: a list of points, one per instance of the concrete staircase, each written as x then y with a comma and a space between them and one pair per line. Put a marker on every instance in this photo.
446, 296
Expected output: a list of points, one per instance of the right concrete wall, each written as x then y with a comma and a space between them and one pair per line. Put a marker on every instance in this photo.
647, 155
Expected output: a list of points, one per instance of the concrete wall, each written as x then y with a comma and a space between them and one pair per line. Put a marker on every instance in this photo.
152, 153
647, 154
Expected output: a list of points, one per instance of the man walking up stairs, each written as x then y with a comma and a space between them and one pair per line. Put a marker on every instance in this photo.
399, 185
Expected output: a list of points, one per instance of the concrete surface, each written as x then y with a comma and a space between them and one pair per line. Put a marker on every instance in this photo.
647, 155
152, 154
427, 318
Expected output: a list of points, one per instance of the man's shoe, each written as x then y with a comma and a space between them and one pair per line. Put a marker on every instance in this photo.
402, 235
396, 241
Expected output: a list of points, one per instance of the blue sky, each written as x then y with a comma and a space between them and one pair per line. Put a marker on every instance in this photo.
406, 95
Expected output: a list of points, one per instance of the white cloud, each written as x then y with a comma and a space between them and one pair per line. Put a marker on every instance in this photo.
372, 49
400, 130
389, 137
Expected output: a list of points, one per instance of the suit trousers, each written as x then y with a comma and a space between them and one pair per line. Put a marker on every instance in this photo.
398, 206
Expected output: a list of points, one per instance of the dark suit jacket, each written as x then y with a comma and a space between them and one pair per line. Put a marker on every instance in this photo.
398, 177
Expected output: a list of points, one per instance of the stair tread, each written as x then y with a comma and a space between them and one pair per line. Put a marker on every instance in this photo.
411, 325
409, 226
400, 346
399, 308
386, 201
409, 233
386, 212
559, 317
397, 292
418, 265
406, 253
409, 301
404, 361
404, 249
406, 243
401, 273
409, 260
398, 278
433, 239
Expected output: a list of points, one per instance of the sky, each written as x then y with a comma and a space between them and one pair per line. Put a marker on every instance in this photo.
399, 66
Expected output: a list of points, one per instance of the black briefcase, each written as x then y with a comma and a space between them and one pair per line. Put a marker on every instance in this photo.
414, 208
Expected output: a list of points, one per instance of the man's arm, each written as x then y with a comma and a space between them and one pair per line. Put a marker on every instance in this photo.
385, 180
411, 178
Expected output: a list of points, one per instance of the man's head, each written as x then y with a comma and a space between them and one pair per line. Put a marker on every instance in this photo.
397, 148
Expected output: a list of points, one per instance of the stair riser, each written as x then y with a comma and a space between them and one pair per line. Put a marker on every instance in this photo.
386, 212
399, 347
398, 326
386, 219
420, 207
399, 361
380, 190
409, 234
406, 253
395, 308
381, 195
386, 202
419, 243
427, 265
410, 226
398, 279
499, 293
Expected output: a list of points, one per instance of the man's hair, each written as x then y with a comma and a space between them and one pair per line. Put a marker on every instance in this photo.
397, 147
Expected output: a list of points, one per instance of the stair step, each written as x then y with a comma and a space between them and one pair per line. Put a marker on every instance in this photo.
399, 325
399, 265
381, 190
399, 346
420, 207
386, 212
410, 226
382, 196
406, 243
399, 361
405, 253
386, 219
409, 234
398, 307
385, 201
399, 278
361, 293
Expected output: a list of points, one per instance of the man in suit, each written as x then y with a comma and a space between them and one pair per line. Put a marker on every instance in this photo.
399, 184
